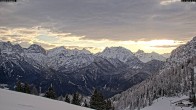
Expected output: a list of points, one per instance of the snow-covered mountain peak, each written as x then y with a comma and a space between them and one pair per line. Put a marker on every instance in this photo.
7, 47
66, 52
17, 48
146, 57
120, 53
117, 49
34, 48
4, 45
64, 59
86, 51
140, 51
56, 51
78, 52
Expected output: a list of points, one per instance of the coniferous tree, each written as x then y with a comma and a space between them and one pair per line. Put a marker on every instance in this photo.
27, 88
76, 99
67, 99
108, 105
50, 93
97, 102
19, 87
60, 98
34, 91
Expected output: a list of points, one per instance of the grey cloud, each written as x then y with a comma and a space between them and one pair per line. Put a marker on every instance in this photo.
27, 32
4, 39
105, 19
166, 46
45, 45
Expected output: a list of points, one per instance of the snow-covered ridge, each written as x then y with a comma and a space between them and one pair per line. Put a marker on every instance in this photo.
11, 100
35, 49
7, 47
62, 58
66, 52
54, 58
120, 53
124, 55
146, 57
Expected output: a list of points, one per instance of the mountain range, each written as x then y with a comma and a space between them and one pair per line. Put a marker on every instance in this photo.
111, 71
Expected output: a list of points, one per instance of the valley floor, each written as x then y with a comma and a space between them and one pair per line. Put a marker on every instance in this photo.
11, 100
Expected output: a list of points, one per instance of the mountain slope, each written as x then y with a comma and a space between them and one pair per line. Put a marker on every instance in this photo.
101, 74
11, 100
182, 53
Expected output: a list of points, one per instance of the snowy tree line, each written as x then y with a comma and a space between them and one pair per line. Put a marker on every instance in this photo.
173, 81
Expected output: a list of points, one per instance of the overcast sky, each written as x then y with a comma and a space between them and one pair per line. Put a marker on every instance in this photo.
150, 25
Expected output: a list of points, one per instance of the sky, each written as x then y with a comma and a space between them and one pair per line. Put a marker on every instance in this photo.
149, 25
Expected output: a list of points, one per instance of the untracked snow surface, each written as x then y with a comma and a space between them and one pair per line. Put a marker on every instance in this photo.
167, 104
10, 100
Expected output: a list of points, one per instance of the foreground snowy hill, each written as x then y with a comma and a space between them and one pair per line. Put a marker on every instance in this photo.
10, 100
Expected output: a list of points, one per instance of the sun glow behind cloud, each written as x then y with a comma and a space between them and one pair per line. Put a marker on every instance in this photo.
167, 2
49, 39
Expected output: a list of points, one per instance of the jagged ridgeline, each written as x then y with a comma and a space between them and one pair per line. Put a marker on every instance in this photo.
112, 71
175, 79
